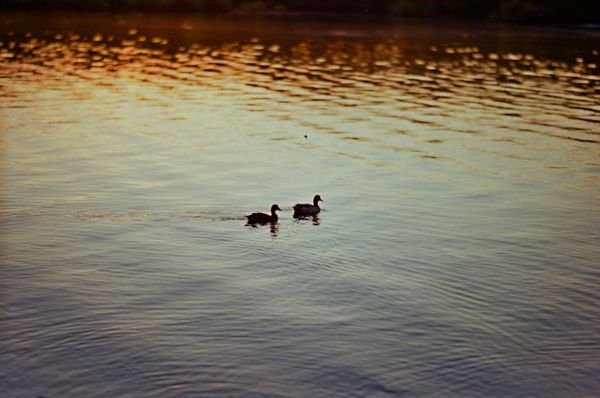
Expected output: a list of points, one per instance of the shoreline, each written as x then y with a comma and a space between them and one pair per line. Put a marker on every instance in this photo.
315, 15
535, 15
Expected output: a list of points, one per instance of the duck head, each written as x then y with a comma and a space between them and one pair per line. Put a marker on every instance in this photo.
274, 208
317, 199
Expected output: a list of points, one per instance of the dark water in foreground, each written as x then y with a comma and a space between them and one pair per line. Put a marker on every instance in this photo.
457, 253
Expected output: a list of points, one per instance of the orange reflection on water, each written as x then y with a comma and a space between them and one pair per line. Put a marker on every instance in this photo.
439, 90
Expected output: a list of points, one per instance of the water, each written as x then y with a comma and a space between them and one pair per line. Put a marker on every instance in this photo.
456, 253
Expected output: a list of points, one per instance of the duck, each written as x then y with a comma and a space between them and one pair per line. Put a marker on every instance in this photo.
262, 218
306, 209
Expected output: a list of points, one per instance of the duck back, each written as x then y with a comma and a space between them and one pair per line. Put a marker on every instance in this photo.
261, 218
307, 208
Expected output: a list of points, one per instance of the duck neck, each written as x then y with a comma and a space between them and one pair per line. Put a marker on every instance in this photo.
273, 214
316, 202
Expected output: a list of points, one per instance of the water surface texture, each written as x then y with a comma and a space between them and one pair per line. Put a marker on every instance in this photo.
457, 253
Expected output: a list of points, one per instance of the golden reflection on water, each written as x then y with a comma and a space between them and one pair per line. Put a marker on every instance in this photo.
376, 90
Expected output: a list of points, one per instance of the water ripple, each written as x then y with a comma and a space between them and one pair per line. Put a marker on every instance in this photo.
455, 253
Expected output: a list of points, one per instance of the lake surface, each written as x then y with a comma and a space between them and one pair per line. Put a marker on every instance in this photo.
457, 253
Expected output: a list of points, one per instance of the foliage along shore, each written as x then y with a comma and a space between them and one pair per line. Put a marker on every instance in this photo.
587, 11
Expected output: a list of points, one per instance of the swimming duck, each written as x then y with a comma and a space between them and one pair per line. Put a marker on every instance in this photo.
262, 218
301, 209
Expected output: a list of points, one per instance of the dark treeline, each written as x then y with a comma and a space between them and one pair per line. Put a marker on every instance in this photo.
507, 10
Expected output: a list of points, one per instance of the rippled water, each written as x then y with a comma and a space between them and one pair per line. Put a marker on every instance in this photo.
456, 255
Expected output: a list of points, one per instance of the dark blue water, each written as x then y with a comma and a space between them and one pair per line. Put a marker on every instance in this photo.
456, 253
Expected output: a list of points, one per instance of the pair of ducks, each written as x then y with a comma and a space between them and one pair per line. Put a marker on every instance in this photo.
300, 210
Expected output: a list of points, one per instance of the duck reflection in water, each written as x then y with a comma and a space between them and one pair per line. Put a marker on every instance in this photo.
316, 219
274, 228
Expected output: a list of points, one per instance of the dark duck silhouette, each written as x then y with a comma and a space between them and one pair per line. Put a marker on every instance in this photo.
306, 209
262, 218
